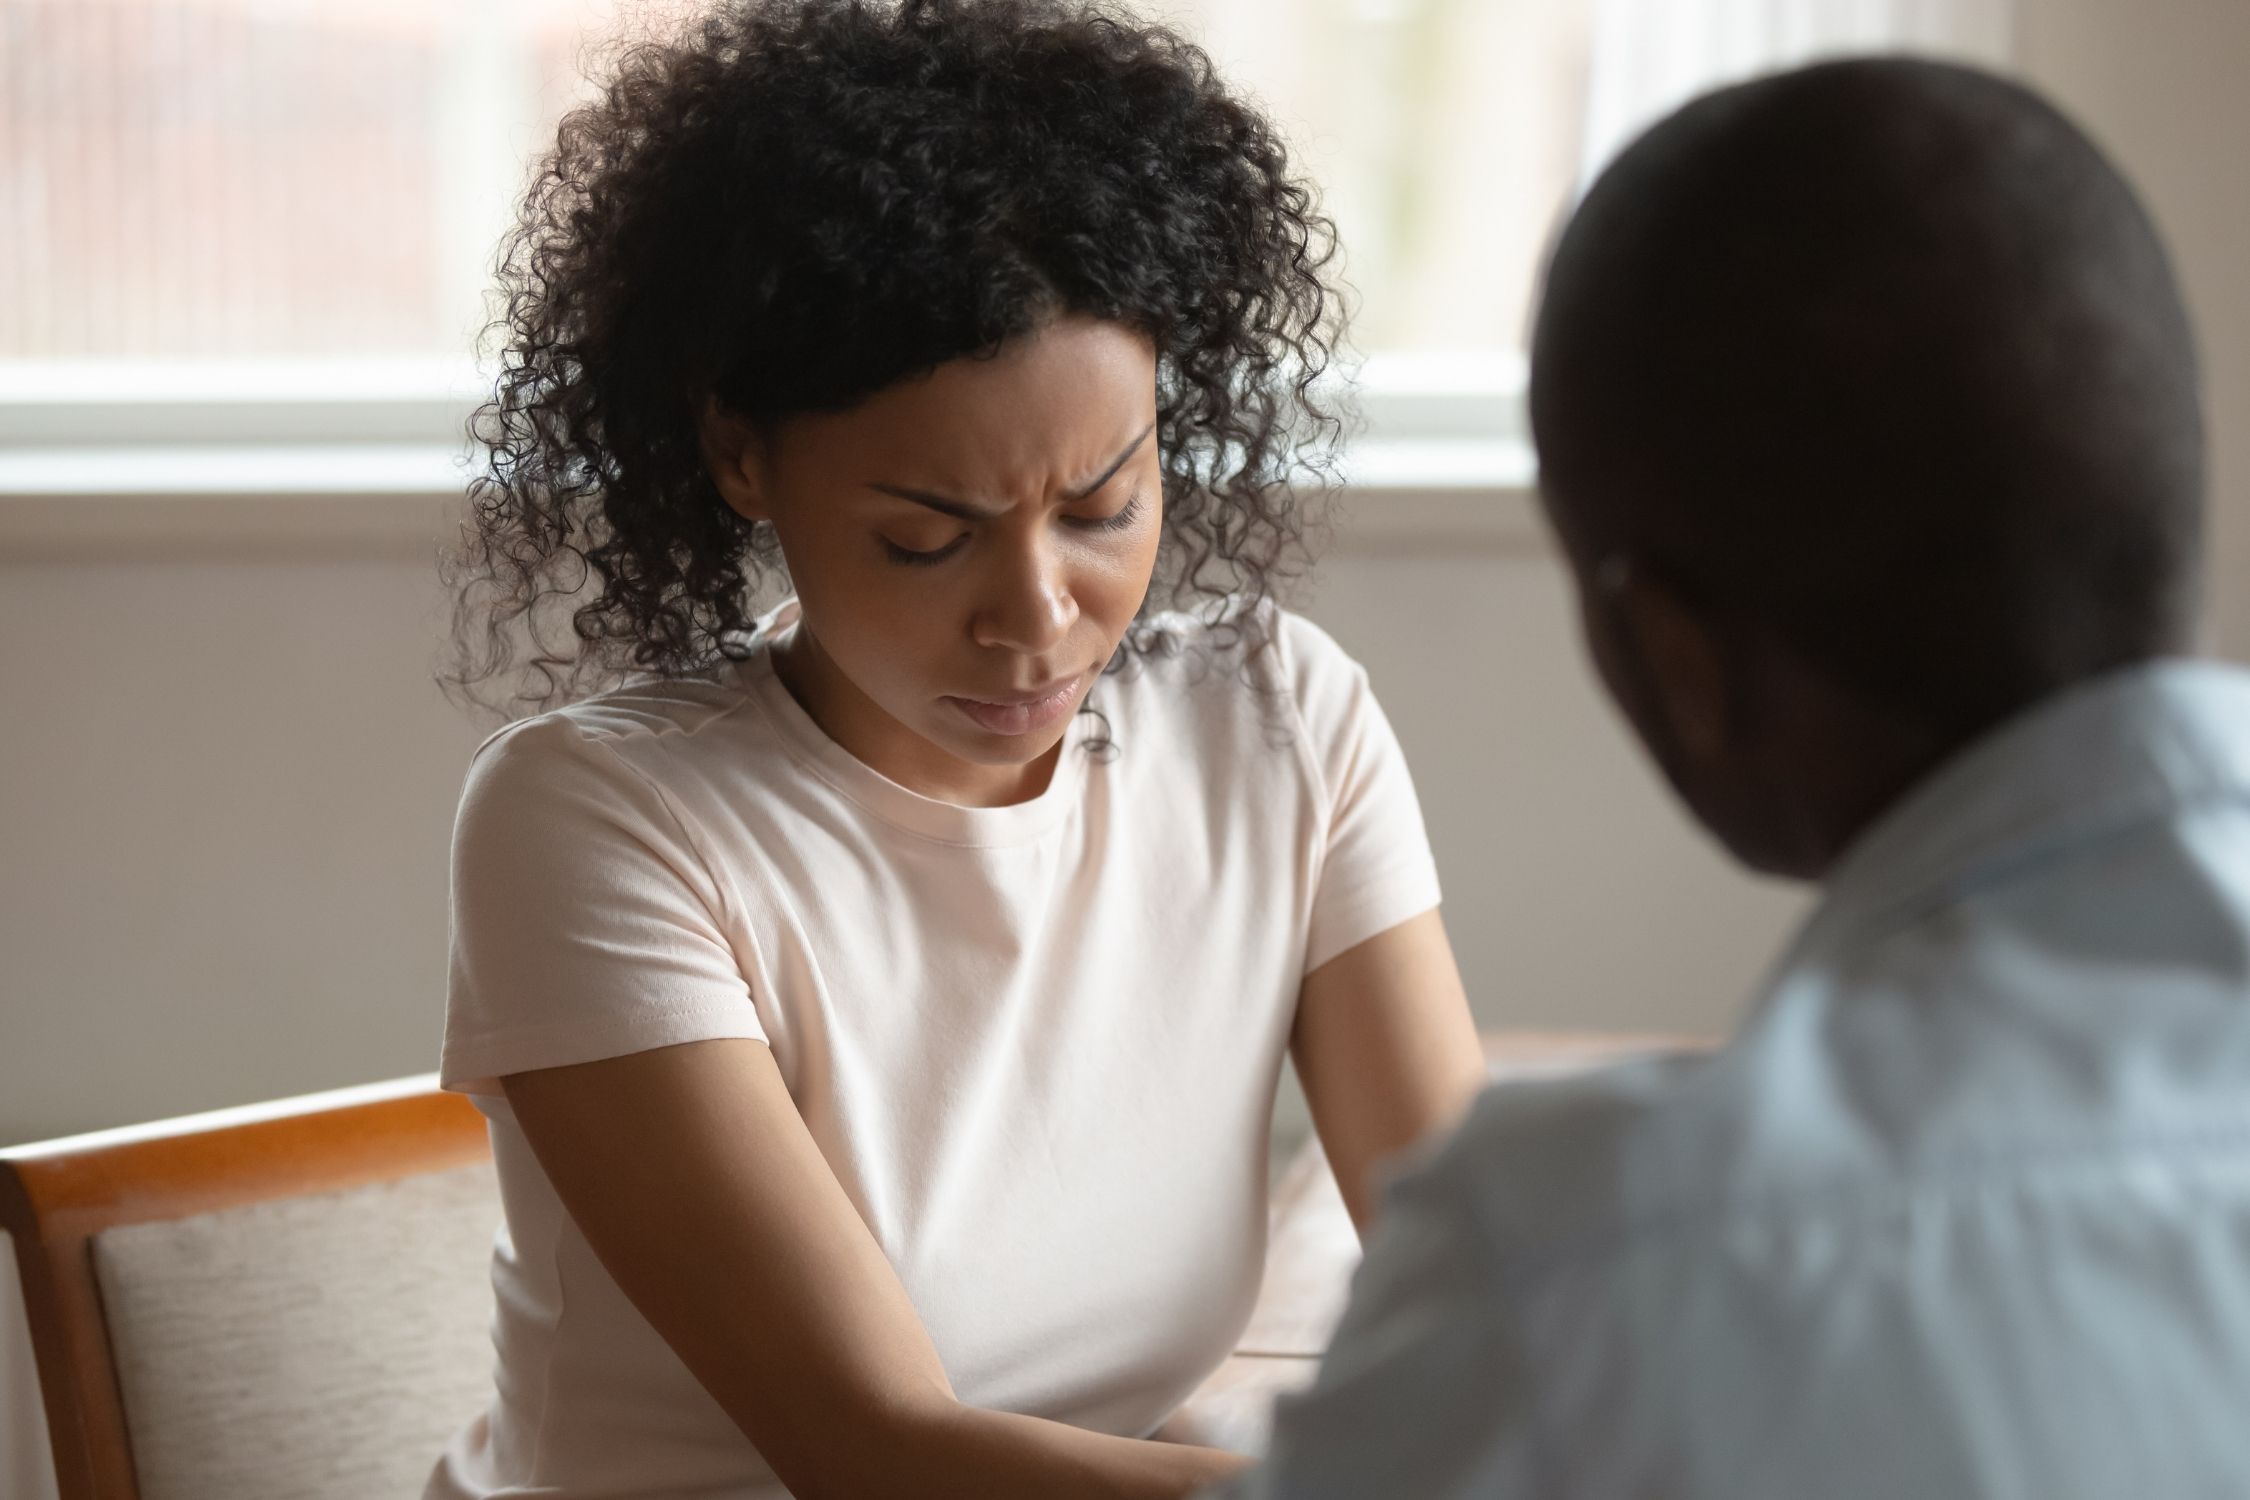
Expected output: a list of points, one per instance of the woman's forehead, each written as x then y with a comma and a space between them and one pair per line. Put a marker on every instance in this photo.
1054, 408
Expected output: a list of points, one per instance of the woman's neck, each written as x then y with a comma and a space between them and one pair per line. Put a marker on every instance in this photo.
878, 741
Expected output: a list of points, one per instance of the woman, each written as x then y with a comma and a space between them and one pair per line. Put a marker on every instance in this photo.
878, 1004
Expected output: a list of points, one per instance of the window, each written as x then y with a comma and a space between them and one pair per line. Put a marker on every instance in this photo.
271, 221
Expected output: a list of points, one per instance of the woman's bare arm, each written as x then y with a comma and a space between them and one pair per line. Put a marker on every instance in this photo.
1386, 1050
696, 1182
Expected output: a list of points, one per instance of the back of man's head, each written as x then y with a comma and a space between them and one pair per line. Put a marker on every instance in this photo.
1885, 355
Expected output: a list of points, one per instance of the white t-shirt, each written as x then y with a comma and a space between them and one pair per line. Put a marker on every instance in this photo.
1038, 1044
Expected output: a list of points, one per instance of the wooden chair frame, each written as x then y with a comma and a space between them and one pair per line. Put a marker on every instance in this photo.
57, 1195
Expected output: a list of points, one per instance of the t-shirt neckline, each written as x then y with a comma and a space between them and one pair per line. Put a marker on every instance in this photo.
930, 817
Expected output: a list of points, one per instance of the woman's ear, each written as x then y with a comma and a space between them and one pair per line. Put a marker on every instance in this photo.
734, 456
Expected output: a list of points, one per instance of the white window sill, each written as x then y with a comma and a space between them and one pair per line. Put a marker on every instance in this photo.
372, 470
227, 455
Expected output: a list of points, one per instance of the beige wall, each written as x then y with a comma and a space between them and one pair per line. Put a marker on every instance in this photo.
2165, 86
224, 811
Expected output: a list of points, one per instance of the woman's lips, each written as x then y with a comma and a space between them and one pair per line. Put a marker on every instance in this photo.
1020, 715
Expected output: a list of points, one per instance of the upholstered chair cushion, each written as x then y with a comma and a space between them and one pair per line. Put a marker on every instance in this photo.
317, 1346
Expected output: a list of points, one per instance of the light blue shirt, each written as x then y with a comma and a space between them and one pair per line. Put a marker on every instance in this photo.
1964, 1211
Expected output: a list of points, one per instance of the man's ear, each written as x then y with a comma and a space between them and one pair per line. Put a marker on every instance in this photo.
734, 456
1674, 653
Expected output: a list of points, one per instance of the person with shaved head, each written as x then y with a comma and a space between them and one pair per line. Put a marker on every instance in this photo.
1869, 424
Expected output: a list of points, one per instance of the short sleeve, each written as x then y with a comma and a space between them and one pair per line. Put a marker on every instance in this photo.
585, 923
1375, 870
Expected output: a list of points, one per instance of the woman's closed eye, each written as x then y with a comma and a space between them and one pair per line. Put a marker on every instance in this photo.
916, 557
919, 557
1124, 516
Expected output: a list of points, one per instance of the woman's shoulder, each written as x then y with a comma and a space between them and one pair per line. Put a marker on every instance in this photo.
632, 729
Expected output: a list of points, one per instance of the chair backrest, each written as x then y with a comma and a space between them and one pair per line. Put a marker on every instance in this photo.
279, 1301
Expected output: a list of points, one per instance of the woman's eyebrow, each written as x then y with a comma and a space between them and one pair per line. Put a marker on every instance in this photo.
1115, 464
959, 511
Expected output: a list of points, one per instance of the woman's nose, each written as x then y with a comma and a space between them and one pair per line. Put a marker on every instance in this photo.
1028, 605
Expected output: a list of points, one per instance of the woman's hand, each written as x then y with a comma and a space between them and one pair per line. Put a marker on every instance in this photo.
1386, 1050
695, 1181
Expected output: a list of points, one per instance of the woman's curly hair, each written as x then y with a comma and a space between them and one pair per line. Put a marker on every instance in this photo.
795, 203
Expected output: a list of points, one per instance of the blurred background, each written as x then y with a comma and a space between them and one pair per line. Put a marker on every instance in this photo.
243, 258
199, 179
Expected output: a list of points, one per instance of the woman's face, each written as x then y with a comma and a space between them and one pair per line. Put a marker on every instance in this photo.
968, 549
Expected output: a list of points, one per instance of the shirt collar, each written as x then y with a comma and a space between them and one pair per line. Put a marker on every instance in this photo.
2109, 753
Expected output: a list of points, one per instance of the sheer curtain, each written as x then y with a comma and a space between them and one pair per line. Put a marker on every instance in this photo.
1648, 56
